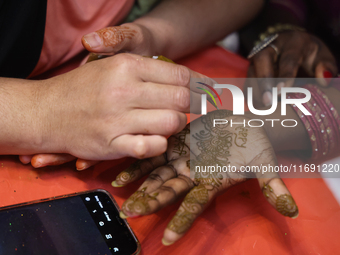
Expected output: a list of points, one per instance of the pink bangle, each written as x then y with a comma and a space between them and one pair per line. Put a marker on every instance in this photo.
323, 126
333, 125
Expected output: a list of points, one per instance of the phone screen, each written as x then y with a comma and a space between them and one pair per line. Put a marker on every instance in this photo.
88, 223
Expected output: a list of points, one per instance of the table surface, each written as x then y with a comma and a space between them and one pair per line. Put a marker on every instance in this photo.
238, 222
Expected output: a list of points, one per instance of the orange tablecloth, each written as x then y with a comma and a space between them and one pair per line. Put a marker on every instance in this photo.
238, 222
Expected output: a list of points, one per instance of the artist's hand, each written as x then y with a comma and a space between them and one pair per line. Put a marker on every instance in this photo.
297, 51
116, 107
129, 37
169, 175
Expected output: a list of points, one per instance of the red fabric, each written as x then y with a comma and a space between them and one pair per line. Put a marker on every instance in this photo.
239, 222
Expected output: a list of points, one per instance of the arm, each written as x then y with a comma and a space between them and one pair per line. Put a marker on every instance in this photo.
21, 117
181, 27
175, 28
286, 12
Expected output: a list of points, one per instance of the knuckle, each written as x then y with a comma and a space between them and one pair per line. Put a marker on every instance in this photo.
289, 61
171, 122
182, 97
125, 61
155, 177
168, 189
141, 148
182, 75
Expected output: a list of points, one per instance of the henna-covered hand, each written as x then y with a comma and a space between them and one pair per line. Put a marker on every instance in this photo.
204, 145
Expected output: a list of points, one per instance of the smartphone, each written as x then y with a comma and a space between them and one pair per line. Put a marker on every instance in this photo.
85, 223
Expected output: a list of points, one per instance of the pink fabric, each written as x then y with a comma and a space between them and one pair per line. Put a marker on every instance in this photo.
68, 20
323, 126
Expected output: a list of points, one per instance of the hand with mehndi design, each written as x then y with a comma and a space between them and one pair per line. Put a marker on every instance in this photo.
169, 175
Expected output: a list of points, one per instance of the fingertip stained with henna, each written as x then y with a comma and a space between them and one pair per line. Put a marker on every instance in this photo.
284, 203
113, 36
138, 203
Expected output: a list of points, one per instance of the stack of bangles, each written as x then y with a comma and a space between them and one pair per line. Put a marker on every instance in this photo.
323, 125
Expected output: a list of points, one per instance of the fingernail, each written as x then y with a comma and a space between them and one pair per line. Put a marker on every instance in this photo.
116, 185
81, 167
166, 243
93, 40
328, 77
286, 205
294, 217
267, 98
327, 74
123, 215
38, 164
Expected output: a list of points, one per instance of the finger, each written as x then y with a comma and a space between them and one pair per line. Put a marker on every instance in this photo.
41, 160
254, 84
272, 186
110, 39
192, 206
157, 122
176, 149
25, 159
164, 173
138, 169
162, 72
178, 144
264, 63
277, 194
163, 187
82, 164
320, 62
158, 96
290, 62
137, 146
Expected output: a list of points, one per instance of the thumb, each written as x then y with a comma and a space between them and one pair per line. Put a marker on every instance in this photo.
113, 39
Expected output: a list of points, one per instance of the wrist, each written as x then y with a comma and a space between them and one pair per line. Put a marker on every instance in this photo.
22, 128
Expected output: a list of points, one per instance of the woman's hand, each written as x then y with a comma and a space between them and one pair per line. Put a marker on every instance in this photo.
295, 50
170, 177
116, 107
129, 37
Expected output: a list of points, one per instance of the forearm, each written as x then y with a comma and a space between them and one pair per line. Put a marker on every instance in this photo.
180, 27
272, 13
20, 115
